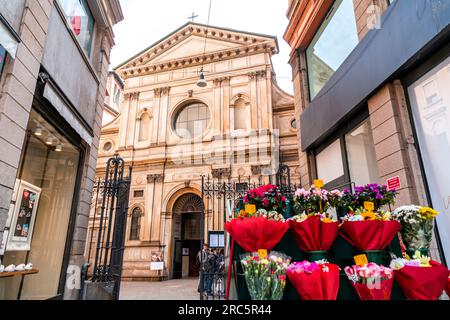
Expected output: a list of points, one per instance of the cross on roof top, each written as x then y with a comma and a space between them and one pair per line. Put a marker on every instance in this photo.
193, 17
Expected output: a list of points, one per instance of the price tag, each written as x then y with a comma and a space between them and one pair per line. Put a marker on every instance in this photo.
361, 260
319, 183
262, 253
250, 208
369, 206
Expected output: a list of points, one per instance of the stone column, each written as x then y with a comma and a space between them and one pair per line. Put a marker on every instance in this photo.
226, 105
132, 115
265, 105
156, 112
164, 109
253, 100
217, 112
124, 120
157, 203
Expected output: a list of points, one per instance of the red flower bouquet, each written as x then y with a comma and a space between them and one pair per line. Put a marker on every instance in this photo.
420, 278
315, 280
261, 230
266, 197
314, 233
369, 230
371, 282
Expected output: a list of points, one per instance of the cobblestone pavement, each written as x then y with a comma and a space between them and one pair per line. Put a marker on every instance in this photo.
184, 289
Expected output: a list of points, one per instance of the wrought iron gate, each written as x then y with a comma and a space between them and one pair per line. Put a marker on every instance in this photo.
221, 195
108, 227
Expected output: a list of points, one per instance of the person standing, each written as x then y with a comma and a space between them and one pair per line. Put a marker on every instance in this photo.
202, 265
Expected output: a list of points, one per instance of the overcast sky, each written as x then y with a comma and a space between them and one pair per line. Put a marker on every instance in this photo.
147, 21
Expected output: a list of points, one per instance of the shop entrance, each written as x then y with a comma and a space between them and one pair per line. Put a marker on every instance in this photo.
187, 235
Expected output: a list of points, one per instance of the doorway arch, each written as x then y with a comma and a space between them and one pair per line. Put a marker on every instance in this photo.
186, 231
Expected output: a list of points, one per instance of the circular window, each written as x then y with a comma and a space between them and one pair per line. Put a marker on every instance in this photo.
294, 124
107, 146
192, 120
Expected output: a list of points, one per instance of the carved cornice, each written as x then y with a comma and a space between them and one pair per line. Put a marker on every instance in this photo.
161, 91
255, 75
159, 177
131, 95
221, 81
246, 42
223, 173
193, 61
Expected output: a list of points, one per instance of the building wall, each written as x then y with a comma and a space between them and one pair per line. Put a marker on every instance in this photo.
157, 170
395, 146
46, 40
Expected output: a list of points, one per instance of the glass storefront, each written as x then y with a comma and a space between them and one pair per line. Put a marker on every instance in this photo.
49, 165
430, 105
349, 160
332, 44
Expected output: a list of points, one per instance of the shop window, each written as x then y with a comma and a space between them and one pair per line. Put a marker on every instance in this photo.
81, 21
49, 168
430, 107
135, 224
334, 41
361, 155
330, 165
349, 160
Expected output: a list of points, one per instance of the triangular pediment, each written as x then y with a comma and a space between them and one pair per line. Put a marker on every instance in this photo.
187, 44
193, 46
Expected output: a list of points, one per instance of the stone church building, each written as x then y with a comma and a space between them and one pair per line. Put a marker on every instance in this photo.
171, 131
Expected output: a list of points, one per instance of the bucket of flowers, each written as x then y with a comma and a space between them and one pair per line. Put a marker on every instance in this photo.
419, 277
315, 280
258, 230
315, 229
371, 281
447, 287
369, 231
417, 227
265, 276
378, 194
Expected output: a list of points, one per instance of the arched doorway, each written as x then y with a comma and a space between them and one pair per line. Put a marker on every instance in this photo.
186, 235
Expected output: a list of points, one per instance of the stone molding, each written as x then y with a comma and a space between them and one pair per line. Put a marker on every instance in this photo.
159, 177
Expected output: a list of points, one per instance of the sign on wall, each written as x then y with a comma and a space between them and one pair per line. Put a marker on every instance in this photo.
216, 239
24, 217
394, 183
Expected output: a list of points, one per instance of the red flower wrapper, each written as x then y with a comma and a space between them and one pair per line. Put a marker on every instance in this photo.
322, 283
369, 235
256, 233
447, 287
421, 283
313, 234
379, 291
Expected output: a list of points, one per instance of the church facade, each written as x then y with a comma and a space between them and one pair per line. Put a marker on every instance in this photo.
171, 131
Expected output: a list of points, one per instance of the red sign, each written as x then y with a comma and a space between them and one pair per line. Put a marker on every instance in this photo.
394, 183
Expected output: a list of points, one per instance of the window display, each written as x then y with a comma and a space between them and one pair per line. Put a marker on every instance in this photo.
22, 225
40, 220
81, 21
